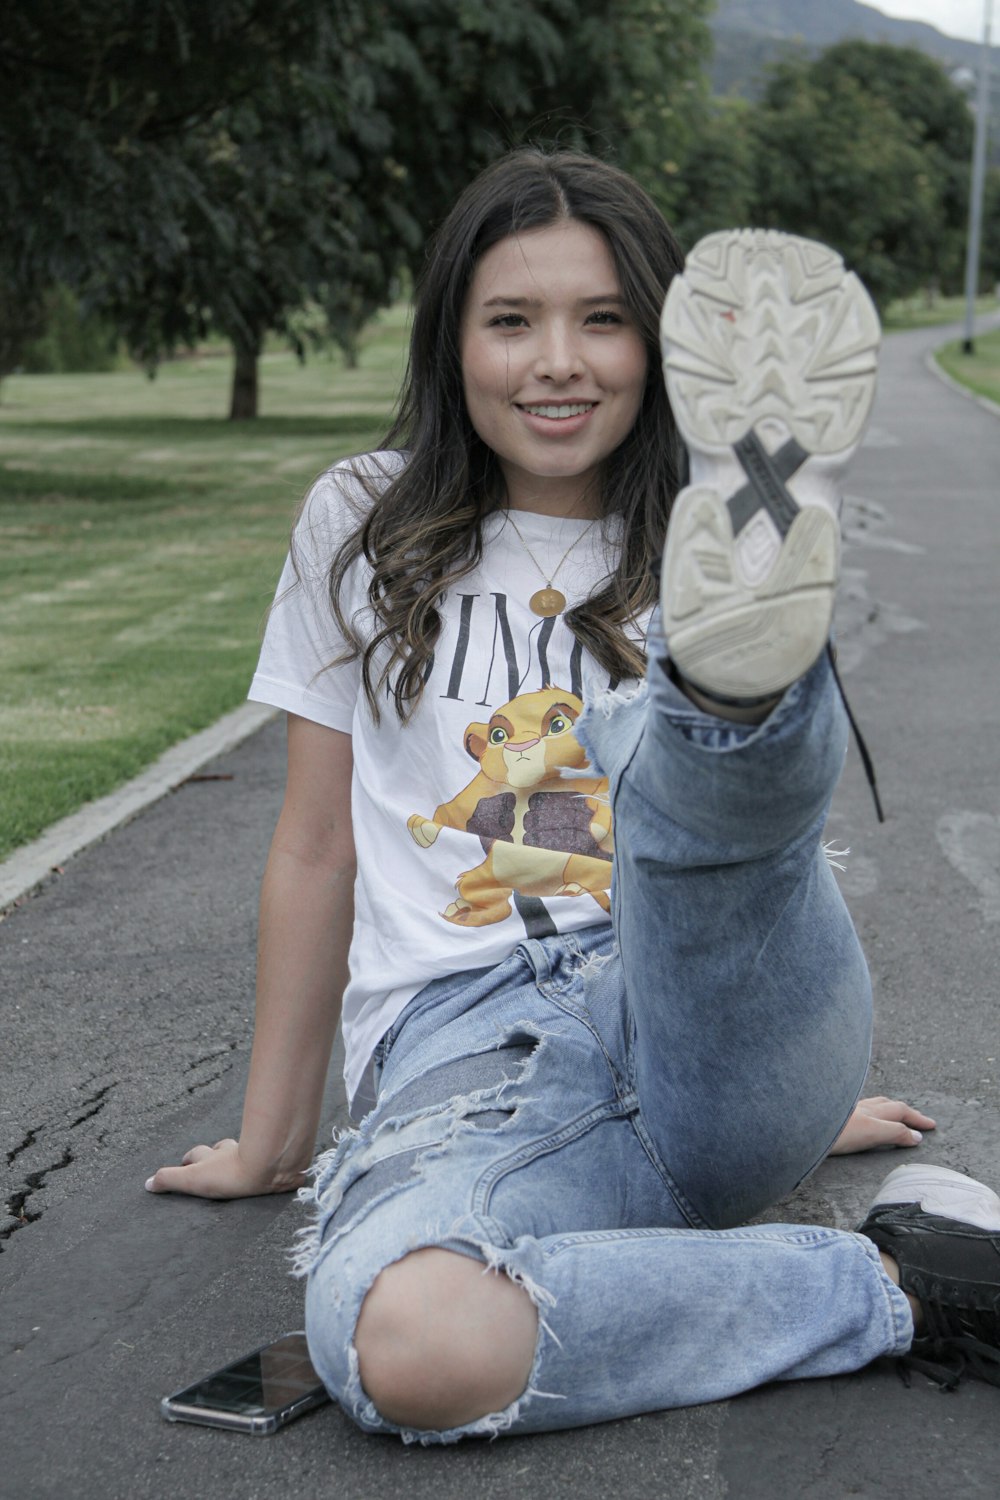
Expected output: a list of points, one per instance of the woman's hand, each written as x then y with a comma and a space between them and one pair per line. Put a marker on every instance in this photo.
881, 1122
220, 1172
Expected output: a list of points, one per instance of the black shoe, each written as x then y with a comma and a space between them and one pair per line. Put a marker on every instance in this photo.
943, 1231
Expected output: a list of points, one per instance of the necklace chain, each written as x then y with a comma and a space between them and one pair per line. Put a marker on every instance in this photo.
549, 601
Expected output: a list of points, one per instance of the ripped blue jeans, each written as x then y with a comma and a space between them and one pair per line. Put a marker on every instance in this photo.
595, 1115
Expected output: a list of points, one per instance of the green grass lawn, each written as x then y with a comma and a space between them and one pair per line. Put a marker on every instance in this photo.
979, 371
917, 312
141, 535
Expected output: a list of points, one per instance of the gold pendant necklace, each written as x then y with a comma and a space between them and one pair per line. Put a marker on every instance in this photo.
549, 601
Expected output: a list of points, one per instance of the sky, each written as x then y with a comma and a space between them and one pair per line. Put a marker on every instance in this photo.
954, 17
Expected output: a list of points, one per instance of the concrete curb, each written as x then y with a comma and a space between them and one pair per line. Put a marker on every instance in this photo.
27, 868
930, 361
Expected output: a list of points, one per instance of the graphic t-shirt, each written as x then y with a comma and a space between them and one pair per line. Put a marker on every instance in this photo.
479, 821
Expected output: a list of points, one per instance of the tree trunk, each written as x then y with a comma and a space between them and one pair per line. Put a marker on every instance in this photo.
243, 407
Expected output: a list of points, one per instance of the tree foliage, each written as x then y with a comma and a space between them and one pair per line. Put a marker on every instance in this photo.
716, 186
867, 147
71, 340
182, 165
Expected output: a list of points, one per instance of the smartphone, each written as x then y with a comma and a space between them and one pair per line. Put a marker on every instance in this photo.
258, 1393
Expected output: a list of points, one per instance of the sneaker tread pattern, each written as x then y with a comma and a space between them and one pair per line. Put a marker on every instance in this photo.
768, 326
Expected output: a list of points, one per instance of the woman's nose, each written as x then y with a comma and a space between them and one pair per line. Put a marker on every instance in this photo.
559, 358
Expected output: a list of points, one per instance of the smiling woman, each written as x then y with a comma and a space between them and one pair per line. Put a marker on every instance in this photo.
602, 1000
554, 367
547, 300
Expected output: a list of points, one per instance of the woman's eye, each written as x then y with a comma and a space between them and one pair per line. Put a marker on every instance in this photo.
497, 736
509, 320
605, 317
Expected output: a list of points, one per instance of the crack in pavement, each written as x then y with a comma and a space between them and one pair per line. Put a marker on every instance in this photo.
32, 1183
98, 1100
212, 1078
29, 1140
211, 1056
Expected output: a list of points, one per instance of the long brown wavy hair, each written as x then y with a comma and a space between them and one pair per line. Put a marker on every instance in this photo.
424, 529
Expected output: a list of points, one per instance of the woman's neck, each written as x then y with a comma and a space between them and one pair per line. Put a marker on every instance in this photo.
565, 498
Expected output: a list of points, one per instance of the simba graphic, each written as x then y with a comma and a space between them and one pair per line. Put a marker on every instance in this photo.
544, 824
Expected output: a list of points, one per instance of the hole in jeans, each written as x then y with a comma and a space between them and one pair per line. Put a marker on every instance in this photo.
459, 1077
455, 1079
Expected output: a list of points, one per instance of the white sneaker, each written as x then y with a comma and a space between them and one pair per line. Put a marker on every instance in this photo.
769, 356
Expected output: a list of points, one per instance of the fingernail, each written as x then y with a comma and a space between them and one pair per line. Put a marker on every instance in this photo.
916, 1134
149, 1184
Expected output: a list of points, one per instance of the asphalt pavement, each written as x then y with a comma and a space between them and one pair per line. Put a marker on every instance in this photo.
125, 1006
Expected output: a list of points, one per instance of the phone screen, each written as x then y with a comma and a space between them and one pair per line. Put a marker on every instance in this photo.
260, 1385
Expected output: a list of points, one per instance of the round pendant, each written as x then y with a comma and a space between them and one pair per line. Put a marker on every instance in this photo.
547, 602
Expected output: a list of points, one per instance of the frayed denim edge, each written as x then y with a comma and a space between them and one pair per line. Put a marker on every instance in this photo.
309, 1249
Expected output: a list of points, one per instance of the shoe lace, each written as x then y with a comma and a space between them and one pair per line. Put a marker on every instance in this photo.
956, 1343
859, 739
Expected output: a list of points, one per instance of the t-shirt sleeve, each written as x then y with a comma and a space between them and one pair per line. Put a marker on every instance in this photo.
302, 637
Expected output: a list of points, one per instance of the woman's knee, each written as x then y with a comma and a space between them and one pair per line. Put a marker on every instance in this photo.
442, 1341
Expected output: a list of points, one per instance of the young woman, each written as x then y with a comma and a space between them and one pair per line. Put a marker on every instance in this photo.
562, 855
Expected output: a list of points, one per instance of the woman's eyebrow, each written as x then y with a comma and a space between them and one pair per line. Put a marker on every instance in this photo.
601, 301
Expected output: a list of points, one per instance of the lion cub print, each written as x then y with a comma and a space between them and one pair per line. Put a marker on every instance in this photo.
544, 826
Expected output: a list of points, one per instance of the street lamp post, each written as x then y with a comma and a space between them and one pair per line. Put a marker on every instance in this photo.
978, 178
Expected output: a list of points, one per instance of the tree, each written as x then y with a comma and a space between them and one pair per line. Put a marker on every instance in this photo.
71, 341
936, 113
456, 82
105, 110
990, 249
836, 159
288, 224
22, 320
715, 187
185, 166
93, 100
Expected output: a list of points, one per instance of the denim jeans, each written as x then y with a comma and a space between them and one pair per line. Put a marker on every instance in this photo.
595, 1115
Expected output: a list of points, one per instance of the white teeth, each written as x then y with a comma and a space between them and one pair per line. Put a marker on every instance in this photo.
557, 412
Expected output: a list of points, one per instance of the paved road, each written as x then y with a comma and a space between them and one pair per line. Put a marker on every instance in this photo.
126, 989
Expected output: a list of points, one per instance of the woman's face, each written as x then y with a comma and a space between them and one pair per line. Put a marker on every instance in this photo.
553, 366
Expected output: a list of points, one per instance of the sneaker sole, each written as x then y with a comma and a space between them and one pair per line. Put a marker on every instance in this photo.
769, 354
941, 1191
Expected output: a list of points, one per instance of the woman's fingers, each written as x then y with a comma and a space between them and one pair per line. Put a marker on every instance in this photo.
880, 1121
882, 1108
212, 1182
219, 1171
199, 1153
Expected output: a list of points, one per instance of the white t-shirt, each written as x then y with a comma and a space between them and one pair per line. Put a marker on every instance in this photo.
479, 821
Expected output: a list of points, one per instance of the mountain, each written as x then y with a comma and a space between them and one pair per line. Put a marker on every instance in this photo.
750, 35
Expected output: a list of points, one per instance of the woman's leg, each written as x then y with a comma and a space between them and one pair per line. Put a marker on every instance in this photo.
749, 994
490, 1252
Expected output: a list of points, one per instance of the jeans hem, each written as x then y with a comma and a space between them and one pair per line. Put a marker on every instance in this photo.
900, 1317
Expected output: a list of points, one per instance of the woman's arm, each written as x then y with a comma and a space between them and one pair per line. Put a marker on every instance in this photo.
306, 916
